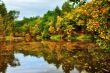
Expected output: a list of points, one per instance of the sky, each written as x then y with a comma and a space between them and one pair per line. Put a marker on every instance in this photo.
30, 8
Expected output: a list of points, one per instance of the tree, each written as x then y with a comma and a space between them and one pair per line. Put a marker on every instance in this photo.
3, 10
78, 2
66, 7
8, 19
3, 13
57, 11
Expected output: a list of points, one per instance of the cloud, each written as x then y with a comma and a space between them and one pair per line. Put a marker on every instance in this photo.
30, 8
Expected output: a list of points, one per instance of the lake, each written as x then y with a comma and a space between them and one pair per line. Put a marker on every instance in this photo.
53, 57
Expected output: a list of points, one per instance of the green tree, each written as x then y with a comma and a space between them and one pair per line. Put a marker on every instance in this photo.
3, 10
66, 7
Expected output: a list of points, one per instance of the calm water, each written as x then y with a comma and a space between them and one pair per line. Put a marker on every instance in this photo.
52, 57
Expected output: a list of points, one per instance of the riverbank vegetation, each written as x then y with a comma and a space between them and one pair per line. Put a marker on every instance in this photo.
76, 20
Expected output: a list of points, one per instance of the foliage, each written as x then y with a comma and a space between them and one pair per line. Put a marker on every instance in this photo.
7, 22
77, 3
84, 37
66, 7
56, 37
3, 10
38, 37
70, 38
85, 18
104, 44
93, 17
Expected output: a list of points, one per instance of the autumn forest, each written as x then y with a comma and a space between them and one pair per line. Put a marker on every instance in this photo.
76, 20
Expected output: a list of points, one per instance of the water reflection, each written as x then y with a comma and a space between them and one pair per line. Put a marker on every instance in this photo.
60, 56
7, 58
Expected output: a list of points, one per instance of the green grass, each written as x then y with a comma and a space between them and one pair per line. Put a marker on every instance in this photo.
83, 37
56, 37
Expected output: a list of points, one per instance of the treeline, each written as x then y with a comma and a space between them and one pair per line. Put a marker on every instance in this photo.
50, 26
75, 18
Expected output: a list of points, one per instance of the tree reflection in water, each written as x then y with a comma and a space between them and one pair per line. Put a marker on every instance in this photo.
63, 55
7, 57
